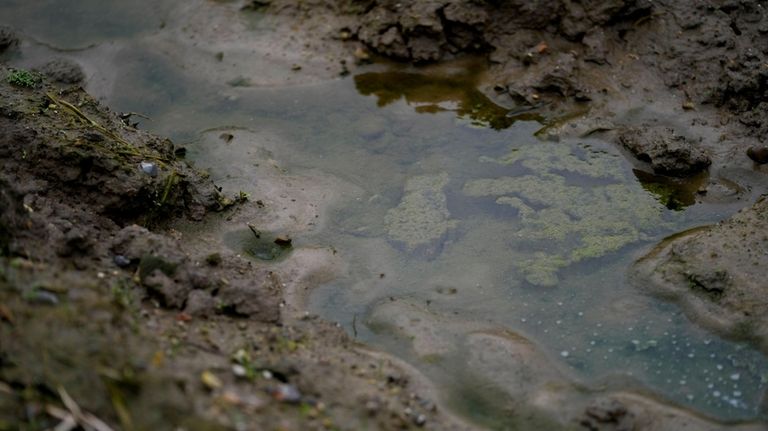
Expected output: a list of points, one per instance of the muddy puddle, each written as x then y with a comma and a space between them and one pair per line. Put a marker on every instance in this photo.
456, 222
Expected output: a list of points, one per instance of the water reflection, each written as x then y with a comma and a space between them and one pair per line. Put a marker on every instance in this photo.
455, 92
674, 193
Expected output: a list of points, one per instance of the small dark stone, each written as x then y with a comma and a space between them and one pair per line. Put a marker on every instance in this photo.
213, 259
283, 241
121, 261
758, 154
43, 297
227, 137
93, 137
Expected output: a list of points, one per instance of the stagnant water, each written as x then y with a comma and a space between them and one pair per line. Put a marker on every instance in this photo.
459, 210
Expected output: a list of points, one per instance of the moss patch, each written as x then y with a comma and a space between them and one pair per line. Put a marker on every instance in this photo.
24, 78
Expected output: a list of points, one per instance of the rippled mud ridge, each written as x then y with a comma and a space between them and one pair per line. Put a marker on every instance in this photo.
372, 214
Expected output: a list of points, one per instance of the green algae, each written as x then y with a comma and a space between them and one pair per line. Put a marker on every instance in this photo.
422, 218
563, 220
554, 157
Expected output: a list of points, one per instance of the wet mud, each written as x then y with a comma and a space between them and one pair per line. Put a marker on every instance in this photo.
104, 323
716, 274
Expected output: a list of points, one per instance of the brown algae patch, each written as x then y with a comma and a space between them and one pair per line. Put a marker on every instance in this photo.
421, 219
565, 220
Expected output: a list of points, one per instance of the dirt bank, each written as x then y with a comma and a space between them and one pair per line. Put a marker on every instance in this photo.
109, 324
717, 274
558, 57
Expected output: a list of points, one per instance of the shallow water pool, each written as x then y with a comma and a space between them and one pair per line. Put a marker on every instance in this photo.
459, 209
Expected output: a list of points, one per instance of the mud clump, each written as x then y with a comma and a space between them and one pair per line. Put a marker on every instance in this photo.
230, 287
63, 71
429, 31
8, 39
606, 412
667, 152
716, 274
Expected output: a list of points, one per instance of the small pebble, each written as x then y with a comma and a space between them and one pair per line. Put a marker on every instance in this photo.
42, 297
758, 154
210, 380
149, 168
239, 370
121, 261
287, 393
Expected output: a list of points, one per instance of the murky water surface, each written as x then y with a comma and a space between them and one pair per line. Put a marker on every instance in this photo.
460, 208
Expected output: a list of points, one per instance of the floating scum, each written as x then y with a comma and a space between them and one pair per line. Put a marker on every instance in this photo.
573, 203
